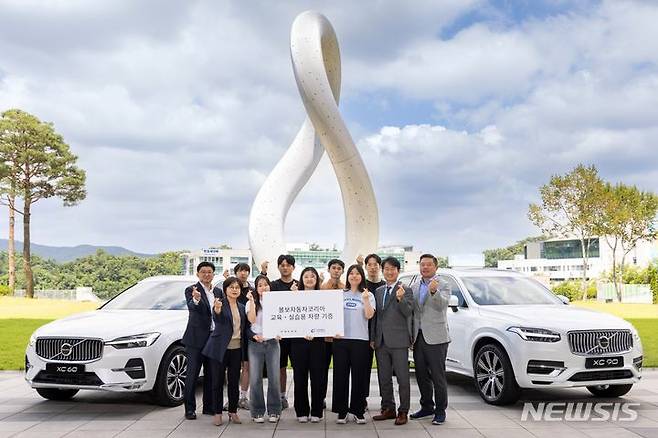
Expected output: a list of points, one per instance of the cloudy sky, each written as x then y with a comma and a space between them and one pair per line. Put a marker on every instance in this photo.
461, 110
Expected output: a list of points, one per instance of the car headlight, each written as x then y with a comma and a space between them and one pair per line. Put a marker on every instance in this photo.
135, 341
33, 340
637, 341
535, 334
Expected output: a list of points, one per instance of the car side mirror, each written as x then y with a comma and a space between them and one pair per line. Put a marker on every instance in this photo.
453, 303
564, 299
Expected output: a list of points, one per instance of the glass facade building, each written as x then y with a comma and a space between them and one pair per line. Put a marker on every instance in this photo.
568, 249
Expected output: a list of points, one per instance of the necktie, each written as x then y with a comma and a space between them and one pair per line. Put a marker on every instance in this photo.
388, 291
423, 293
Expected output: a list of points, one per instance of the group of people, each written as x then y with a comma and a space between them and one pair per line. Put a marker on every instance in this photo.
382, 318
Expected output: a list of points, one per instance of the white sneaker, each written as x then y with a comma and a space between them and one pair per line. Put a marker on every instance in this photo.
302, 419
315, 419
341, 420
361, 420
258, 419
273, 419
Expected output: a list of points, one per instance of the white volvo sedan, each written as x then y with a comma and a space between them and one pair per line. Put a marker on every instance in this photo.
510, 332
132, 343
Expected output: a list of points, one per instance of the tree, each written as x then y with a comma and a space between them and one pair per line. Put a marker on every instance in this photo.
491, 256
106, 274
629, 215
42, 166
8, 198
571, 206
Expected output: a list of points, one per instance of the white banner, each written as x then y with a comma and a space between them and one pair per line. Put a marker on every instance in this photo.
297, 314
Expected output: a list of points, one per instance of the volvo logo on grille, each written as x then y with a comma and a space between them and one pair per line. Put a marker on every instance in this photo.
604, 342
66, 349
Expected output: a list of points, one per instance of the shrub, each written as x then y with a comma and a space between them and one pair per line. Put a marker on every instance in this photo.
5, 291
569, 289
573, 290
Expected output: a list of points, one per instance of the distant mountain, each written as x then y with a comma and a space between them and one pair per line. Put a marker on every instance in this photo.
67, 253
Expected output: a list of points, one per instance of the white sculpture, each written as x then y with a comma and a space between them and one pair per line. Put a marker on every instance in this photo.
316, 64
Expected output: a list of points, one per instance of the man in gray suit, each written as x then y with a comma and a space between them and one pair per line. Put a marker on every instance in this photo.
430, 340
391, 334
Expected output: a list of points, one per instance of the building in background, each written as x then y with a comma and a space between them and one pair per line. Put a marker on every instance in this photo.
222, 258
306, 254
562, 259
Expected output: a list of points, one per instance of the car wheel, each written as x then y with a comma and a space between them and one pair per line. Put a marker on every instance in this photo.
169, 385
609, 390
57, 394
494, 376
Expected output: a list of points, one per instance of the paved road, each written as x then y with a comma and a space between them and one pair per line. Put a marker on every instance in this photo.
96, 415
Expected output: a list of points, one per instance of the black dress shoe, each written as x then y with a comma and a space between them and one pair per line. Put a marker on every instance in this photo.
190, 415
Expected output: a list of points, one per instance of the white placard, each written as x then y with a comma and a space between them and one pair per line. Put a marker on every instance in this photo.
297, 314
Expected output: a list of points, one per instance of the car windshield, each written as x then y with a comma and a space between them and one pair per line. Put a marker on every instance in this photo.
151, 295
487, 291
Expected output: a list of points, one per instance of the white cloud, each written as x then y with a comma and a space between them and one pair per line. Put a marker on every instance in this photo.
179, 111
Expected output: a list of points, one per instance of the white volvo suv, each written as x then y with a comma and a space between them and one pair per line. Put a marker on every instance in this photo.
131, 343
510, 332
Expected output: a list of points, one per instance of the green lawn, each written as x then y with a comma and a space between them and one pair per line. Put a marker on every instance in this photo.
626, 311
648, 329
14, 307
14, 336
19, 317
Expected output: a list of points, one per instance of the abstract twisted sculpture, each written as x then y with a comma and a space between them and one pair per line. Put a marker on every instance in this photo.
316, 64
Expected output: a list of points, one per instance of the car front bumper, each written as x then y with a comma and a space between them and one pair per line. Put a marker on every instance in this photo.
554, 365
111, 372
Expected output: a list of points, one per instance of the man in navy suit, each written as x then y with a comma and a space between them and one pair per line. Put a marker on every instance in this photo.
200, 324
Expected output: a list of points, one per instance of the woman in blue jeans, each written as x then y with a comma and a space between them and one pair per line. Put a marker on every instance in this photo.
262, 352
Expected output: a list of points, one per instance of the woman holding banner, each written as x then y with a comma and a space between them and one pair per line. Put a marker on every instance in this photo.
351, 350
307, 356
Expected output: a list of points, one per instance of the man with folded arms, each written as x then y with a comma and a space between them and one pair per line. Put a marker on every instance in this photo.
392, 339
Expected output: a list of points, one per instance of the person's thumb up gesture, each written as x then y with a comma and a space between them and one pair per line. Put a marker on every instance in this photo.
434, 286
217, 306
195, 293
399, 293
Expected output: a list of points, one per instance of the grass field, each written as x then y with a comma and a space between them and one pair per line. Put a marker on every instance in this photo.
626, 311
19, 317
15, 333
13, 307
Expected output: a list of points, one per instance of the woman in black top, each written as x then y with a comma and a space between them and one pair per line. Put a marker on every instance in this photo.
307, 355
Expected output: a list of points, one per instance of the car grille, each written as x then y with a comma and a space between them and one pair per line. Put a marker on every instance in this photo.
84, 379
590, 376
69, 349
600, 341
